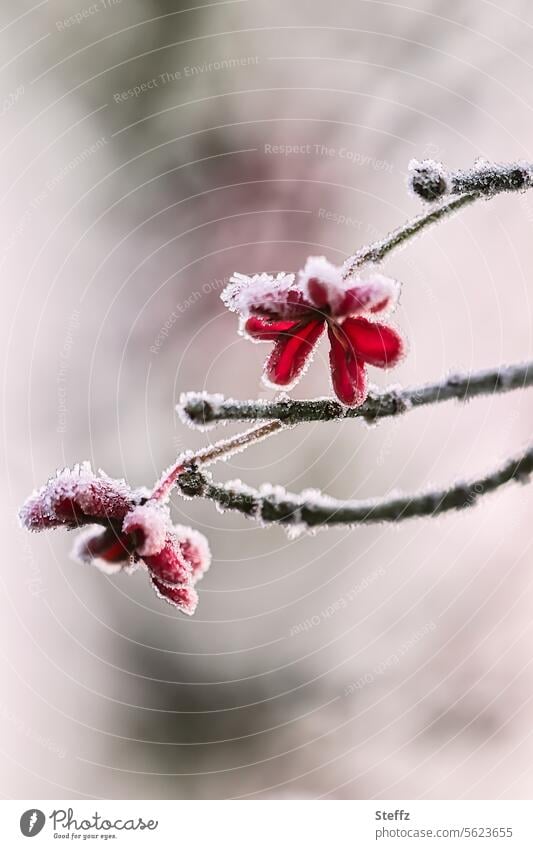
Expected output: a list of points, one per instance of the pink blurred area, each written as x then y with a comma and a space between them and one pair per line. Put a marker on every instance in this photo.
387, 662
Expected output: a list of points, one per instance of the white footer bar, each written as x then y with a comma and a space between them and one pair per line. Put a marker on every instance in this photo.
272, 824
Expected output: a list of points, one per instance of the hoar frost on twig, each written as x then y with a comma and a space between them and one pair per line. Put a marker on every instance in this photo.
312, 510
202, 410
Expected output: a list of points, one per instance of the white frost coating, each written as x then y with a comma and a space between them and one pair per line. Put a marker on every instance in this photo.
297, 529
429, 164
188, 602
322, 269
390, 288
80, 554
96, 495
319, 268
153, 522
240, 488
273, 491
490, 170
391, 388
276, 494
244, 293
79, 551
314, 497
385, 289
375, 287
105, 567
142, 492
322, 501
267, 295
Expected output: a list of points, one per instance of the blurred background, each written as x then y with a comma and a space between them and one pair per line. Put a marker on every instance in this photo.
139, 170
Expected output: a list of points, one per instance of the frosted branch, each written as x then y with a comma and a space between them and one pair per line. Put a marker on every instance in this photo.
312, 510
377, 251
200, 409
430, 181
220, 450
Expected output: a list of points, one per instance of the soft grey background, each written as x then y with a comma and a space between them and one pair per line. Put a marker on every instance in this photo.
106, 692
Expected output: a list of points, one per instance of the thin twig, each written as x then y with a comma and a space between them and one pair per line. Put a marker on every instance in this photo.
220, 450
377, 251
199, 409
308, 510
430, 181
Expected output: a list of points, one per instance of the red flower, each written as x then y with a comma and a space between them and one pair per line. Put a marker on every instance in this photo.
293, 315
127, 529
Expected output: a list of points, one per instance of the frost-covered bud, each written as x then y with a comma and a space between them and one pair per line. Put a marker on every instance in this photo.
76, 497
126, 528
428, 179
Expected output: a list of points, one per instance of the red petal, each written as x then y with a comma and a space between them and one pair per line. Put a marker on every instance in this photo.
105, 545
318, 293
373, 296
374, 343
297, 305
381, 306
194, 549
348, 373
169, 565
291, 352
184, 598
266, 330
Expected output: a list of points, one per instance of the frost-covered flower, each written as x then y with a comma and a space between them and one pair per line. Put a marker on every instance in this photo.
293, 312
124, 528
